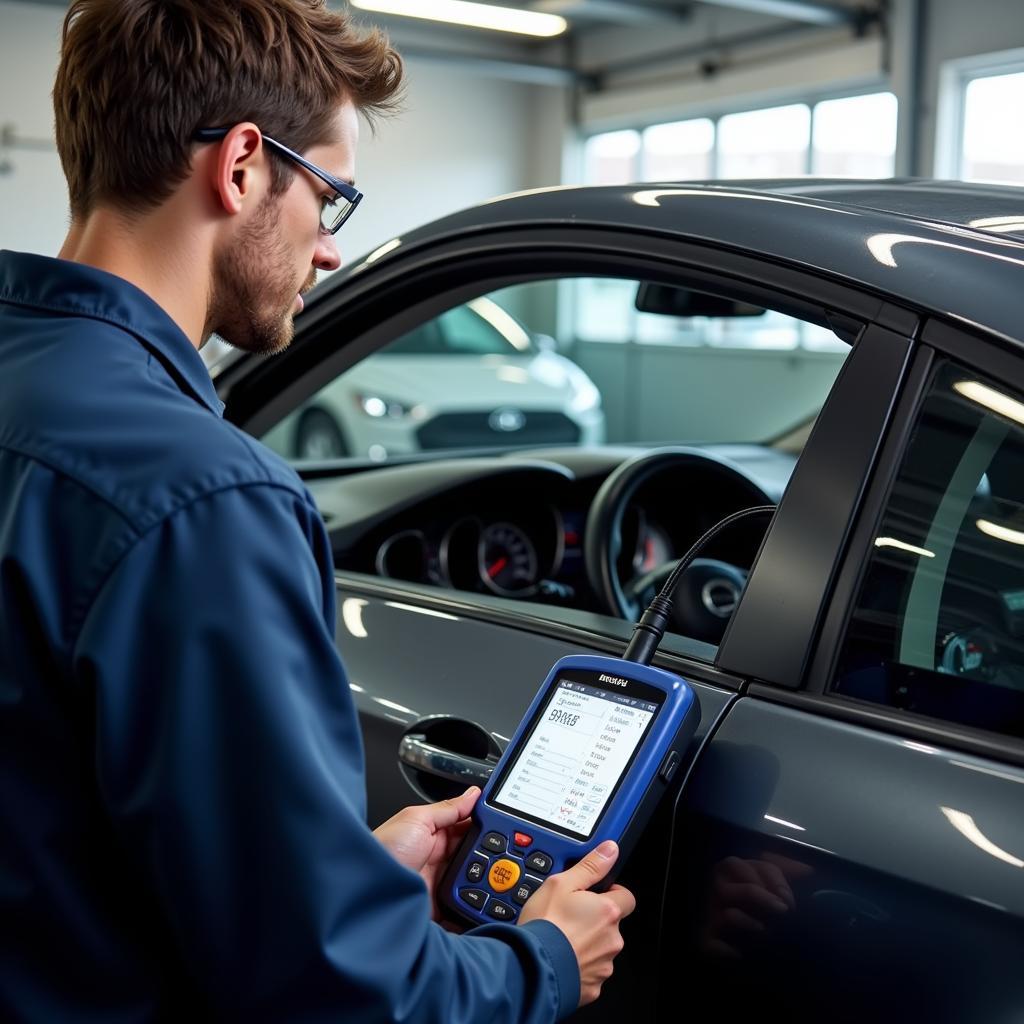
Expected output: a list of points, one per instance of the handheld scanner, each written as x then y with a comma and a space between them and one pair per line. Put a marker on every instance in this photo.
591, 758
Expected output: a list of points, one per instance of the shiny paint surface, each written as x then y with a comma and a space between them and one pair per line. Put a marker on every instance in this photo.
898, 239
903, 860
404, 670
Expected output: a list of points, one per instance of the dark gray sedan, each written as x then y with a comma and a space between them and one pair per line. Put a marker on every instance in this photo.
846, 842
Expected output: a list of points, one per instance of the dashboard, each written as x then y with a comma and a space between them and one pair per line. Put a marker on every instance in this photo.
513, 525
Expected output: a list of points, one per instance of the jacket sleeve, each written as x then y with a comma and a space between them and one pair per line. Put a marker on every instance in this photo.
229, 761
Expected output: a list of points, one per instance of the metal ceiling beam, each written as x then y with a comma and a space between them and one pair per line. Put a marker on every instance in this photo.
620, 12
813, 12
490, 67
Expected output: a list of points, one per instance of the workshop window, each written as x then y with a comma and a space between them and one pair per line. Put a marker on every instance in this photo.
980, 99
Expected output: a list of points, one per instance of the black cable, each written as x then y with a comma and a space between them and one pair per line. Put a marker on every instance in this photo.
651, 628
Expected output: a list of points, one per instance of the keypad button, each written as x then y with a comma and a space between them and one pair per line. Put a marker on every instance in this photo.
476, 869
539, 862
522, 839
474, 897
494, 842
501, 911
503, 875
525, 889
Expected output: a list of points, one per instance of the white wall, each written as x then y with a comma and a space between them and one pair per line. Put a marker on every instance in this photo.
461, 138
33, 194
767, 69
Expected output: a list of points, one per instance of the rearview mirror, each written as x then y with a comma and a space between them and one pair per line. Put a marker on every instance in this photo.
669, 300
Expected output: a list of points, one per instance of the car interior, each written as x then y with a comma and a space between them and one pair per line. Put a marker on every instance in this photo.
683, 406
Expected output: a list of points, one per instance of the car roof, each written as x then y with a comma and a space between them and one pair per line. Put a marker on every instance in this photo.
989, 209
952, 249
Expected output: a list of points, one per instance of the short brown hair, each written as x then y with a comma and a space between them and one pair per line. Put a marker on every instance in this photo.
138, 77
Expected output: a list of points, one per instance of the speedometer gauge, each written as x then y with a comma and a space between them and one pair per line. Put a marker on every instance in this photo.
507, 559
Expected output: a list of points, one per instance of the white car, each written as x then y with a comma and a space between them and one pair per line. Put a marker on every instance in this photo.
472, 377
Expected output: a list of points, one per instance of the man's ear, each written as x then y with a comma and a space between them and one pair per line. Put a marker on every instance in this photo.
238, 167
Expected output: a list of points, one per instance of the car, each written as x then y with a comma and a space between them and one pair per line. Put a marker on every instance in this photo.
472, 376
843, 840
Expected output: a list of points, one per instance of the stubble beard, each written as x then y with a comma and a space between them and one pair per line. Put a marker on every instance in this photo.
254, 289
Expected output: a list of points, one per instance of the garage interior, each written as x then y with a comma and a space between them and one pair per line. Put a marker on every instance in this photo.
488, 114
669, 410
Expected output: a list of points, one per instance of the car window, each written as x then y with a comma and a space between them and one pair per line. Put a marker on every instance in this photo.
939, 624
572, 362
481, 327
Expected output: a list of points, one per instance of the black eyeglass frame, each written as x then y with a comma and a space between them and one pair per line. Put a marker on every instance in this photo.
348, 192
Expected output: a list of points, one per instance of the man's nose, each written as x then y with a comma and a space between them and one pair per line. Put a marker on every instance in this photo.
326, 256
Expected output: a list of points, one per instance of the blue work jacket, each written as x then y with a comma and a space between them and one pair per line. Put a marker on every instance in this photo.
182, 801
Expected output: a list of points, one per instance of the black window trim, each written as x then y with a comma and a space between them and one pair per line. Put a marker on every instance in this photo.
771, 640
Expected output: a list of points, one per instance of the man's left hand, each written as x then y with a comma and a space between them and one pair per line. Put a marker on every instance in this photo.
426, 836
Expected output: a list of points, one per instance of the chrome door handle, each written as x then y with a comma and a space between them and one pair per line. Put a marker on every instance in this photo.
417, 753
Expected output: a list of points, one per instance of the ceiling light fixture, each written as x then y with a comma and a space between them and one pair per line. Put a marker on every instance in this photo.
473, 15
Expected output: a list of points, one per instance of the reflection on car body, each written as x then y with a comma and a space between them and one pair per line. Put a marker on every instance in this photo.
845, 825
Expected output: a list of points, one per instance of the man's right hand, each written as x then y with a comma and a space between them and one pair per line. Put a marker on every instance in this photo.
589, 920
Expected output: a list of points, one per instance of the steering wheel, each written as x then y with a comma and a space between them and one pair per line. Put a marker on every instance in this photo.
709, 590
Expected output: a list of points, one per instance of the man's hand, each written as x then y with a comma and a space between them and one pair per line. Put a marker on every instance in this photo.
589, 920
426, 836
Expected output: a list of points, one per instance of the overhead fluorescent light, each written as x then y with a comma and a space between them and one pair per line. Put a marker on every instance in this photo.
462, 12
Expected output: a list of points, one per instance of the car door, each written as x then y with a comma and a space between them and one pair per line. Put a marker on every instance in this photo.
440, 678
849, 845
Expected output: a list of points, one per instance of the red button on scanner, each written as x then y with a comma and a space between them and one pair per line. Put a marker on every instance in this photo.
522, 839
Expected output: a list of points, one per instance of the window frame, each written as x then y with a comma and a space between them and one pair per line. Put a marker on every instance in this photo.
454, 270
954, 78
460, 270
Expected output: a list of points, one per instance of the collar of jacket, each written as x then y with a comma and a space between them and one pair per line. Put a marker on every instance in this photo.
61, 286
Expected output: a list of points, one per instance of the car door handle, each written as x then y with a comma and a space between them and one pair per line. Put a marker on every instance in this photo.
416, 752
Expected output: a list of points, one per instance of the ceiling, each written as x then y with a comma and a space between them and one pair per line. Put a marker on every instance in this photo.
582, 14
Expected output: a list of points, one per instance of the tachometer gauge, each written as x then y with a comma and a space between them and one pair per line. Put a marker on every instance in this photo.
508, 561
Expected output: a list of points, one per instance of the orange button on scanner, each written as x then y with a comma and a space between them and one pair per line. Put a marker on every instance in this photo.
522, 839
503, 875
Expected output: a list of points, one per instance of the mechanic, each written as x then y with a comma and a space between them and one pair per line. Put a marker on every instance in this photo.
182, 799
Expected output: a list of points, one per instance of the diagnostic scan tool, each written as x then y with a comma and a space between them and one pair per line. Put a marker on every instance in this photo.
591, 758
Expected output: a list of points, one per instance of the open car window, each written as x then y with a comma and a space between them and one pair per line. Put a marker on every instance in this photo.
581, 361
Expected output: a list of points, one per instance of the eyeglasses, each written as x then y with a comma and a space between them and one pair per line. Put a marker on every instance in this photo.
334, 211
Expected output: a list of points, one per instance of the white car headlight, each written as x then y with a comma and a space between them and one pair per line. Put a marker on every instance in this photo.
379, 407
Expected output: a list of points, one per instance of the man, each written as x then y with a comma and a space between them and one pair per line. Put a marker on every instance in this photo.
181, 794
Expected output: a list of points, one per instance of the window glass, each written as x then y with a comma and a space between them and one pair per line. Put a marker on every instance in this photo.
679, 152
571, 361
939, 624
611, 158
770, 143
855, 137
992, 146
